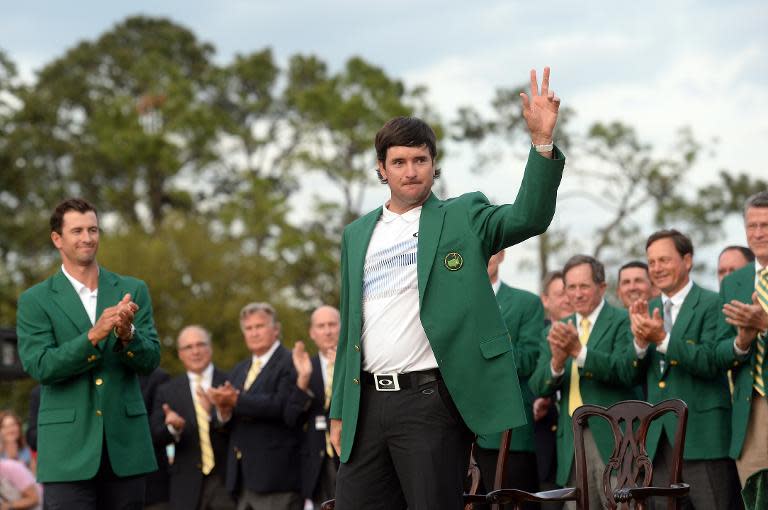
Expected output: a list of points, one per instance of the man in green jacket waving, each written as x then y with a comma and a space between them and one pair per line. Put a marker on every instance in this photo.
423, 350
85, 333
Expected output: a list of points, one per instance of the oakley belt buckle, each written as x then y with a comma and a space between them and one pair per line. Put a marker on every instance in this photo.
386, 382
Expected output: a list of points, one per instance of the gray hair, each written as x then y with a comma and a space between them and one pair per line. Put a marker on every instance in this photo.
759, 199
598, 270
256, 307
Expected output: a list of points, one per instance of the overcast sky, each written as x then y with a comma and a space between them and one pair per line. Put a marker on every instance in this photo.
656, 65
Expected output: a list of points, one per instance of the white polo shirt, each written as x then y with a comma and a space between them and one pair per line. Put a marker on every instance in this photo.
393, 338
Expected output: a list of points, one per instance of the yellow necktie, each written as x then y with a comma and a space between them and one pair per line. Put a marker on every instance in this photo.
253, 373
762, 297
328, 384
203, 428
574, 395
328, 392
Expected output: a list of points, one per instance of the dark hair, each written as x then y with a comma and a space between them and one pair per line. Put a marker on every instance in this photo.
683, 244
550, 277
759, 199
598, 270
404, 132
633, 263
746, 252
71, 204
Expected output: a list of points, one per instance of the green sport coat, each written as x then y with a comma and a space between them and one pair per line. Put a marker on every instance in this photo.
523, 314
740, 285
695, 367
87, 392
458, 309
610, 374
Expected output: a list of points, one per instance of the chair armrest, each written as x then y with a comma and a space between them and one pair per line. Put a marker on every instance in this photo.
506, 496
676, 490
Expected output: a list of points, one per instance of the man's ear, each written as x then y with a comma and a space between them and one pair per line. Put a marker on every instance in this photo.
56, 239
382, 169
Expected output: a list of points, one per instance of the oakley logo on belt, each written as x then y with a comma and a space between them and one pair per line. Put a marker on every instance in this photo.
386, 382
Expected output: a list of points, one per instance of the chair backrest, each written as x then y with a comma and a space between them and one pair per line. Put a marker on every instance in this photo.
629, 462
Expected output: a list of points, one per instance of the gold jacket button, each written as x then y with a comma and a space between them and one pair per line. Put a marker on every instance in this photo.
98, 412
129, 354
662, 384
99, 381
357, 348
91, 358
356, 380
673, 362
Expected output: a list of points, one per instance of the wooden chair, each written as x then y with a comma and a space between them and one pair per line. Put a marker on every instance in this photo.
473, 473
628, 473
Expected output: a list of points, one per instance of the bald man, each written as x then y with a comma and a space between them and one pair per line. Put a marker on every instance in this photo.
319, 461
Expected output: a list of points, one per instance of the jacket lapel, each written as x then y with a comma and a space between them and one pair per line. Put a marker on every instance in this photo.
686, 314
602, 326
358, 247
65, 297
109, 292
109, 295
746, 284
430, 228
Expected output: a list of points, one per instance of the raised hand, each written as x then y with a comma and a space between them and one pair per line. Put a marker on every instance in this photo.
567, 337
126, 309
647, 329
302, 364
173, 418
540, 109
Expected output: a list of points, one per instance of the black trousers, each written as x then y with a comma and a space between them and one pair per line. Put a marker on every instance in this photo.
105, 491
411, 451
521, 473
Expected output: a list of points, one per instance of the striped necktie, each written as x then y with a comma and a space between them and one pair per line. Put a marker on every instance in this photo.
203, 429
761, 288
574, 393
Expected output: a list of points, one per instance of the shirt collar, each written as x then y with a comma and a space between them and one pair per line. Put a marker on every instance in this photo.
79, 286
207, 374
409, 216
496, 286
264, 358
678, 298
592, 317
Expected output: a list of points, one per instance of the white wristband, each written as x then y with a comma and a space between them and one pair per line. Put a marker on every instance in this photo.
543, 148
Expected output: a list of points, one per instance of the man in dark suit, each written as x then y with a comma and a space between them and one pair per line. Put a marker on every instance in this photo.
524, 316
156, 493
85, 333
678, 346
182, 416
267, 400
748, 322
319, 461
424, 355
589, 365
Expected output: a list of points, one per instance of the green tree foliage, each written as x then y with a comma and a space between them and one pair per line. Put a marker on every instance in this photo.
198, 170
339, 115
